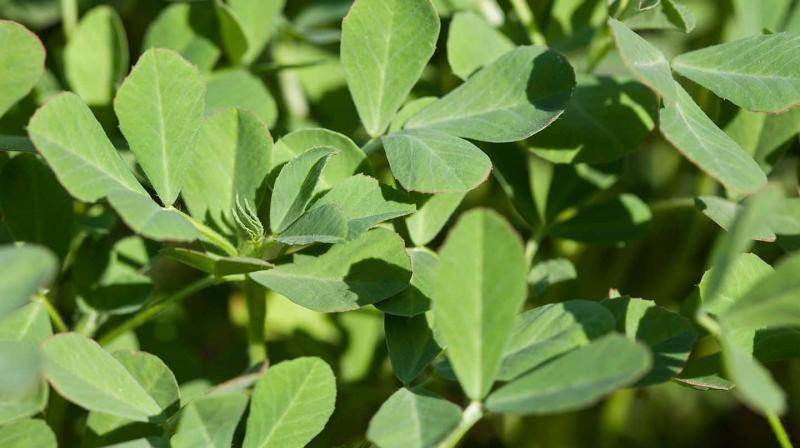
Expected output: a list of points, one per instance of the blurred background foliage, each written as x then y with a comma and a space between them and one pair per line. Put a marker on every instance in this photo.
204, 341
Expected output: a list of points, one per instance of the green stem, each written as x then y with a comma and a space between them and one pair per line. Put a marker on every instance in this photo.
58, 322
211, 236
372, 145
88, 324
668, 205
256, 296
155, 309
69, 16
779, 430
471, 415
528, 21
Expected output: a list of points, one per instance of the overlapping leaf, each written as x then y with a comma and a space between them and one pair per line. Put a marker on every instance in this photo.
366, 270
518, 95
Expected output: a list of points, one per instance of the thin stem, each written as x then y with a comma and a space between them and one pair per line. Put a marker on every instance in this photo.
155, 309
672, 204
601, 44
708, 323
69, 16
471, 415
256, 296
58, 322
211, 236
779, 430
528, 21
372, 145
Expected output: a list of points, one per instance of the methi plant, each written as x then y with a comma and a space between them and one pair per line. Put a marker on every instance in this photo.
435, 174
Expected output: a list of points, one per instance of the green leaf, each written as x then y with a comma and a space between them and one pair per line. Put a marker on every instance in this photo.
771, 302
433, 212
574, 381
411, 345
349, 275
215, 264
26, 269
764, 136
690, 130
160, 109
623, 218
149, 219
23, 391
27, 433
237, 148
755, 211
416, 299
257, 18
518, 95
472, 43
30, 199
21, 63
385, 46
668, 15
364, 203
434, 162
231, 30
30, 323
348, 159
485, 301
294, 187
324, 224
736, 71
754, 384
82, 372
77, 149
549, 272
291, 404
408, 110
96, 56
548, 331
669, 335
723, 213
156, 379
188, 28
413, 419
209, 421
604, 120
743, 273
646, 62
238, 88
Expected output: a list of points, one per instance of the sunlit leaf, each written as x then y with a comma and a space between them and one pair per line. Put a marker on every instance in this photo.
291, 404
575, 380
548, 331
349, 275
413, 419
21, 63
96, 56
160, 109
487, 300
77, 149
736, 71
385, 46
516, 96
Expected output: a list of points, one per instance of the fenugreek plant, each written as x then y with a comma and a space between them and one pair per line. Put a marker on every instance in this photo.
398, 223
